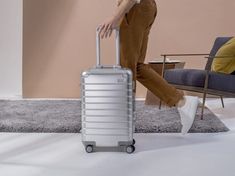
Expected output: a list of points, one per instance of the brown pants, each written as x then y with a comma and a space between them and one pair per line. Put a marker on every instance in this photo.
134, 33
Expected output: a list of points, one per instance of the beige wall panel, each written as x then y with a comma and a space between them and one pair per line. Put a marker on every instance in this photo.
59, 39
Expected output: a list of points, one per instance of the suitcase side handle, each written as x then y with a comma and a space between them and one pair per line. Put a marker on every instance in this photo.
117, 41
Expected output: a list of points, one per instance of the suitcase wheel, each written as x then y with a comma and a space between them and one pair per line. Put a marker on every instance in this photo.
89, 148
130, 149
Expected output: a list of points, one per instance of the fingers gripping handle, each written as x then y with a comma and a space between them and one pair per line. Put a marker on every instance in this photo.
117, 41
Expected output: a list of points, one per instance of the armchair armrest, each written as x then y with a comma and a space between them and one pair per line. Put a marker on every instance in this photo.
187, 54
210, 57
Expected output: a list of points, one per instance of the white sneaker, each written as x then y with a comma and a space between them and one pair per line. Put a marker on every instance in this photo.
188, 112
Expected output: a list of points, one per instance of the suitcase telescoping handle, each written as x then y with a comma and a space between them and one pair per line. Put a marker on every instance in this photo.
117, 41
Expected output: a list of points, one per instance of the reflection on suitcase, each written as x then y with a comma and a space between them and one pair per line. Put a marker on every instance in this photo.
108, 105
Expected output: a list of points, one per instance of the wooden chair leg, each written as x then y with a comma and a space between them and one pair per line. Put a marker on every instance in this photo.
222, 101
160, 104
203, 104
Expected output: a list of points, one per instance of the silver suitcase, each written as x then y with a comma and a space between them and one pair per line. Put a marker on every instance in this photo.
108, 105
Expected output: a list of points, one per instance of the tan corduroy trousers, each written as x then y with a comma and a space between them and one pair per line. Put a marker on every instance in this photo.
134, 34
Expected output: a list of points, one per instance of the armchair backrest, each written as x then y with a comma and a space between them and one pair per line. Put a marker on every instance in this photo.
220, 41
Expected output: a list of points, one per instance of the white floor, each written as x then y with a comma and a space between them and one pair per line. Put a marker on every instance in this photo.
157, 154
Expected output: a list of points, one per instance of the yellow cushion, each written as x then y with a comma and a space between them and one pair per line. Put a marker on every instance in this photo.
225, 65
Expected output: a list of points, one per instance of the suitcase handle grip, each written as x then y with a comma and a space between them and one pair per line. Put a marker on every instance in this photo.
117, 41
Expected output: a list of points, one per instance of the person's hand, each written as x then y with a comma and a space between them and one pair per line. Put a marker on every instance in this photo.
106, 28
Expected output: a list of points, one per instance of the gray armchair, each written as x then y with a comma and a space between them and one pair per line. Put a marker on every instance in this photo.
202, 81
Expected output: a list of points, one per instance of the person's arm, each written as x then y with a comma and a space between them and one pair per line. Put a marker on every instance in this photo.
106, 28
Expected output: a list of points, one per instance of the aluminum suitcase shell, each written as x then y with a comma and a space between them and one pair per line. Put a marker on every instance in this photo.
108, 104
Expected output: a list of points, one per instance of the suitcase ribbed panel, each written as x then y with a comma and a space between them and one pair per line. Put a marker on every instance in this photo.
107, 106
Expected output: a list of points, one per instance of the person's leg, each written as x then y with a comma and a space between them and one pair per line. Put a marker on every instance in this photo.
153, 81
134, 39
130, 41
187, 105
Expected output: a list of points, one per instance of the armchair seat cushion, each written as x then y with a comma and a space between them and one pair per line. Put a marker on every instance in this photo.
196, 78
186, 77
222, 82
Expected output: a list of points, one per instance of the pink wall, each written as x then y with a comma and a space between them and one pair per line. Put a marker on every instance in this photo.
59, 38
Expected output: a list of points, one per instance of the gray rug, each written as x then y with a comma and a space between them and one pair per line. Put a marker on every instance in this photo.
63, 116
